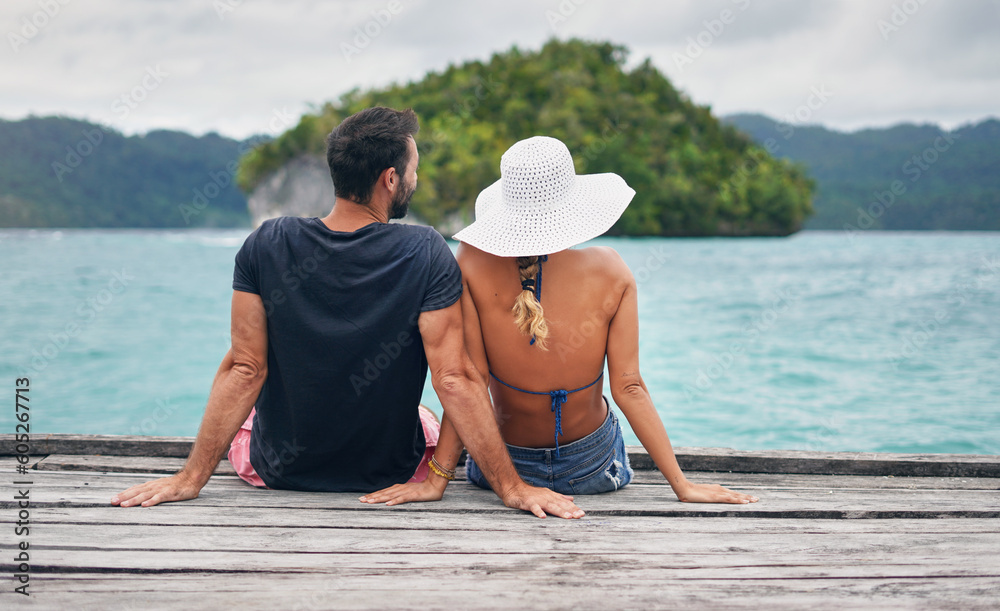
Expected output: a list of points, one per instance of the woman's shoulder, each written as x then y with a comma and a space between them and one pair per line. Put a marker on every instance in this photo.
601, 259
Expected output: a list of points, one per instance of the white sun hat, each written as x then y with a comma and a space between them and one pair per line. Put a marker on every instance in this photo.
540, 206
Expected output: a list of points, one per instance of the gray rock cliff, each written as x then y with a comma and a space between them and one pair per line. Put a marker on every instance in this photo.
303, 187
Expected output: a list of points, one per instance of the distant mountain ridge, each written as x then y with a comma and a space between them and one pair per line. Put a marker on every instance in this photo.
904, 177
173, 179
63, 172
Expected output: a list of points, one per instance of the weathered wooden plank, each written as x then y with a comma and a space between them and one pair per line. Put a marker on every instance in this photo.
91, 489
797, 480
694, 459
118, 445
392, 565
102, 543
826, 463
485, 589
166, 465
182, 514
120, 464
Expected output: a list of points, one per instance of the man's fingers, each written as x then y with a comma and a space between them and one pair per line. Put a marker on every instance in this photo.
156, 499
137, 499
570, 511
565, 507
130, 493
558, 507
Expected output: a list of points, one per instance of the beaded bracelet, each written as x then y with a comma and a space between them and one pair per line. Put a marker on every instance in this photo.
448, 474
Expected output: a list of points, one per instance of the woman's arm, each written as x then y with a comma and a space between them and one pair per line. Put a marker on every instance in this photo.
632, 396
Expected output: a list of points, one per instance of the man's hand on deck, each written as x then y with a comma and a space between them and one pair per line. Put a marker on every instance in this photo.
541, 501
177, 487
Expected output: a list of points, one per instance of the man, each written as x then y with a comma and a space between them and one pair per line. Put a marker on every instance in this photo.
334, 324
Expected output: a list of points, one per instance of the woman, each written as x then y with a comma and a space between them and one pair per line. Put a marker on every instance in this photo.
541, 346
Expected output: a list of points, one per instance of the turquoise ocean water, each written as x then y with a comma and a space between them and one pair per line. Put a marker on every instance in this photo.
874, 342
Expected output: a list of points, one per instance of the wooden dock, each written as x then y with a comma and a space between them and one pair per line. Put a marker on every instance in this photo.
831, 530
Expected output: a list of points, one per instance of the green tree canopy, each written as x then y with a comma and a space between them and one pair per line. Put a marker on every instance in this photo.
692, 174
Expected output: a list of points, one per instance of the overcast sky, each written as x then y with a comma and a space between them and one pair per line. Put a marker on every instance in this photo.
240, 67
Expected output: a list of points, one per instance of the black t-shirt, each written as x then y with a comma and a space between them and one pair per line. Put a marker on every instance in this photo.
345, 361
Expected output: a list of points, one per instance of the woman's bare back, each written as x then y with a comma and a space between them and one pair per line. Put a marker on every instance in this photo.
581, 292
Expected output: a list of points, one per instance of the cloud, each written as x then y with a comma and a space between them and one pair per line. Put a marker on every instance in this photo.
231, 70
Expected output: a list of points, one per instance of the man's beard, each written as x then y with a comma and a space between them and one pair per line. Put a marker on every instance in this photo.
401, 201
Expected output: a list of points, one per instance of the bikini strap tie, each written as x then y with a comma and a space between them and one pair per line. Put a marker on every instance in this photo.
558, 398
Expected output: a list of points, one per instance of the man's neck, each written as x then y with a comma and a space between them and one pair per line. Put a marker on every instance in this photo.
349, 216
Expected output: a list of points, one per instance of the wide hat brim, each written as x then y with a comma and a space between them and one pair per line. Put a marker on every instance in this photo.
589, 209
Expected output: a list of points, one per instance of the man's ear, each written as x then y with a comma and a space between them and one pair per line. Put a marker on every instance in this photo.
389, 179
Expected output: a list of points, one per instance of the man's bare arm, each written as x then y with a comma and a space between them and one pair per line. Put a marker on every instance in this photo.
236, 387
466, 401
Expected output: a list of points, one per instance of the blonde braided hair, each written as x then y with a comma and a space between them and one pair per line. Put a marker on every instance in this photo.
528, 314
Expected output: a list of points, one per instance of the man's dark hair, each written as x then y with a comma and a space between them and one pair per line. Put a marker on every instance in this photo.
364, 145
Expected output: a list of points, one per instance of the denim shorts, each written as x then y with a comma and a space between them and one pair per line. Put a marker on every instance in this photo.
597, 463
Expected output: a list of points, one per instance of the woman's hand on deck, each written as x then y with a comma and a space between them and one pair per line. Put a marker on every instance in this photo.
711, 493
177, 487
431, 489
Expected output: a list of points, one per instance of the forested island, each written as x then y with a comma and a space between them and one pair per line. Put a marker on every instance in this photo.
694, 174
